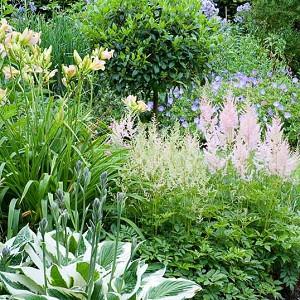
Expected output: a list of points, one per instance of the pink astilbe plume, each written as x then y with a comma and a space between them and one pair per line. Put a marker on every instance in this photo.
208, 118
275, 154
230, 138
229, 120
240, 158
249, 131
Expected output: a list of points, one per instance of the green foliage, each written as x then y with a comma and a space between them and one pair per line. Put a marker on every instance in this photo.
47, 265
157, 43
245, 244
280, 18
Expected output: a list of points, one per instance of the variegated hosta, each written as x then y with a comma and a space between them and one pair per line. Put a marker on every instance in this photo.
22, 274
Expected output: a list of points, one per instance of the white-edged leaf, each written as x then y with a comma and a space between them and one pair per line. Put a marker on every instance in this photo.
169, 289
35, 275
17, 284
67, 294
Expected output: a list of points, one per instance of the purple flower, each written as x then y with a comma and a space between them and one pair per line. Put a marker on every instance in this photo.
287, 115
32, 6
170, 100
243, 8
295, 80
209, 9
21, 9
161, 108
270, 112
283, 87
150, 105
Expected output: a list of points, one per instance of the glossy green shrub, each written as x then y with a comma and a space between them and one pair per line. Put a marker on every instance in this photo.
158, 44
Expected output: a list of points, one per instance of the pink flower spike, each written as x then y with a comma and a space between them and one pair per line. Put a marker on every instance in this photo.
249, 131
229, 120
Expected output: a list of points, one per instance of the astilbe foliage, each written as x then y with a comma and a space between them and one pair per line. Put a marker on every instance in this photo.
237, 140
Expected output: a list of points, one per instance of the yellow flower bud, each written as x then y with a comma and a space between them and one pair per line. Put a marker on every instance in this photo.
77, 58
2, 94
50, 75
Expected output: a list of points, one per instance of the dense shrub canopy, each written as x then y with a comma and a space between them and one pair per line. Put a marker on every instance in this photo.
158, 43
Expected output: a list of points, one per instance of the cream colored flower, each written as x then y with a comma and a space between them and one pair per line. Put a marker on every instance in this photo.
107, 54
141, 106
10, 72
64, 81
130, 101
97, 64
3, 52
50, 75
5, 27
69, 71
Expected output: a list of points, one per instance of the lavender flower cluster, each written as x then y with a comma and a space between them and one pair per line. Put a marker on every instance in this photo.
209, 8
31, 5
241, 10
275, 97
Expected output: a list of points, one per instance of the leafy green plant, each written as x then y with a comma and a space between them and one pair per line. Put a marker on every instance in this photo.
158, 44
281, 18
71, 265
43, 135
245, 244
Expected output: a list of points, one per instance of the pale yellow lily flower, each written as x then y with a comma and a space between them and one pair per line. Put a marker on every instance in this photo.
10, 72
142, 106
97, 64
69, 71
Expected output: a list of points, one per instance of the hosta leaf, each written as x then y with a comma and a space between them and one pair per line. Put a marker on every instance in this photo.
17, 284
24, 236
35, 253
34, 297
169, 289
106, 256
35, 275
66, 294
59, 278
133, 278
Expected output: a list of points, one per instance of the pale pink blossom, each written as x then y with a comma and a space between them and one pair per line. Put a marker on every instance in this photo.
249, 130
229, 120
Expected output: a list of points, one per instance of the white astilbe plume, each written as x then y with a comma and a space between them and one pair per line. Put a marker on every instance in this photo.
122, 131
166, 159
